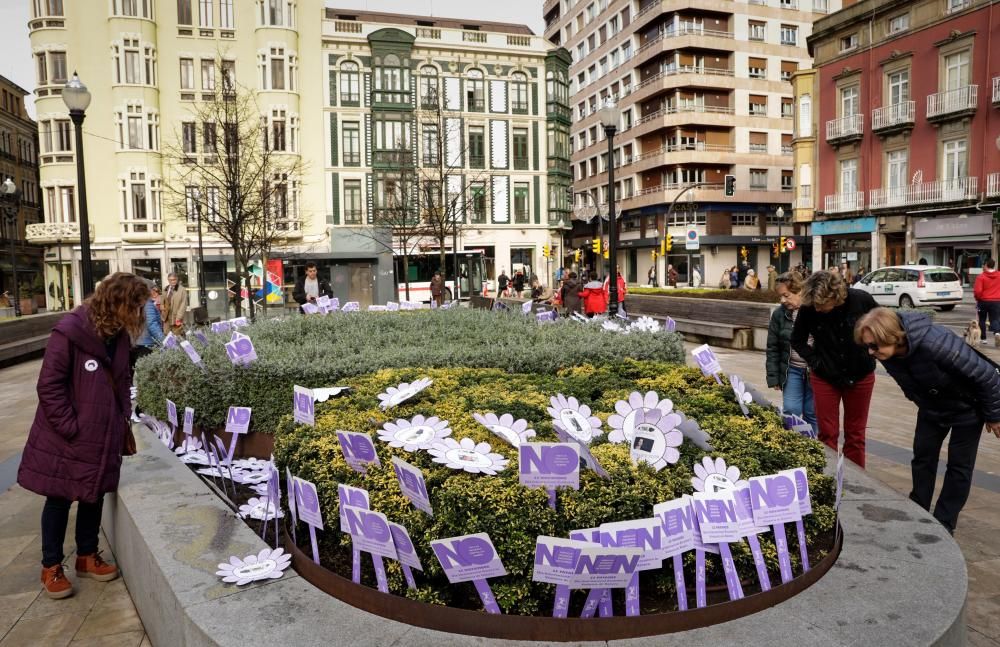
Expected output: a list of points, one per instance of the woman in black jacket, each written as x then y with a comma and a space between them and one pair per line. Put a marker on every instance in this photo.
955, 389
840, 370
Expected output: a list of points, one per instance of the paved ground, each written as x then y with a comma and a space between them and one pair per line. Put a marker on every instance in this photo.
103, 613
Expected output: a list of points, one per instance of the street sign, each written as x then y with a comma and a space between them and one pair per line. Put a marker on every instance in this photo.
691, 241
789, 244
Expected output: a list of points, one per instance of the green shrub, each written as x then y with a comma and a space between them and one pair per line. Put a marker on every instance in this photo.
513, 515
752, 296
321, 351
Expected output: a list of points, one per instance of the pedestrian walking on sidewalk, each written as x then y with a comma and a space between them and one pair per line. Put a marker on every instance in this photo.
175, 304
841, 371
956, 390
81, 429
569, 294
987, 291
772, 278
786, 370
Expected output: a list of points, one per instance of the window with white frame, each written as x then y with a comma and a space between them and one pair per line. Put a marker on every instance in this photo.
805, 116
209, 138
275, 69
789, 35
140, 198
896, 170
899, 87
276, 13
60, 203
958, 5
278, 133
283, 202
50, 68
189, 138
192, 203
45, 8
758, 178
133, 8
131, 127
757, 30
228, 76
956, 70
56, 135
475, 91
519, 93
429, 87
743, 219
226, 16
850, 101
184, 16
352, 202
208, 75
187, 73
898, 23
205, 17
350, 84
849, 176
849, 42
955, 162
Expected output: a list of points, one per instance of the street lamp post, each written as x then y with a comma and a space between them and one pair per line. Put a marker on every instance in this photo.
77, 98
610, 116
62, 287
781, 219
11, 204
202, 298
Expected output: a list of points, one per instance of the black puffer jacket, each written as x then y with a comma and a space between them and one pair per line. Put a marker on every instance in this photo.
834, 356
779, 333
943, 375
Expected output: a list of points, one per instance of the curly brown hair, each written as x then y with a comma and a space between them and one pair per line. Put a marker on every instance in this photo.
117, 304
824, 287
792, 280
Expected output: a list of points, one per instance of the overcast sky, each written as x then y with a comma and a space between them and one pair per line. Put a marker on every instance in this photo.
15, 55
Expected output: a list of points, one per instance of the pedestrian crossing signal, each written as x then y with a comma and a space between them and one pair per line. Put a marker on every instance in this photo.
730, 185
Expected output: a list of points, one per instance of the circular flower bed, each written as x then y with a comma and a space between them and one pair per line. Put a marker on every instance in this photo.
461, 431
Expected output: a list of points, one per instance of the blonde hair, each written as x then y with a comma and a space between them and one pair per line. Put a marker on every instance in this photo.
824, 287
883, 325
791, 280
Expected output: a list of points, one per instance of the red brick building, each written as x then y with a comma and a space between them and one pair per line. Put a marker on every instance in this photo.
907, 116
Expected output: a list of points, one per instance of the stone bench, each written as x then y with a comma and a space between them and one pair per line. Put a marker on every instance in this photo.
26, 337
732, 324
900, 578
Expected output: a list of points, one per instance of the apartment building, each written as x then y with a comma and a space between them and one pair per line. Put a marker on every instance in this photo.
906, 131
19, 162
703, 88
480, 109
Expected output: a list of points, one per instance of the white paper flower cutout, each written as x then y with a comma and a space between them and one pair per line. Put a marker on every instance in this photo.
611, 326
261, 510
645, 324
742, 397
253, 464
189, 444
250, 478
715, 476
266, 565
467, 455
396, 395
513, 431
260, 488
574, 418
656, 438
623, 421
196, 457
414, 434
215, 472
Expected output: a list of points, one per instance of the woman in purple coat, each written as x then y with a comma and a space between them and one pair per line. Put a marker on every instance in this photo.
74, 449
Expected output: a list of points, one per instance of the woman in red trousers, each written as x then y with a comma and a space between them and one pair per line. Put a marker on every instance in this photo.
841, 371
74, 449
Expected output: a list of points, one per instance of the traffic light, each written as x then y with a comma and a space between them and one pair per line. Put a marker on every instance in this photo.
653, 254
576, 256
546, 251
595, 245
669, 242
781, 245
775, 250
606, 254
730, 185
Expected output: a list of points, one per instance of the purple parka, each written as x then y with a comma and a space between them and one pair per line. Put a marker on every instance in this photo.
74, 449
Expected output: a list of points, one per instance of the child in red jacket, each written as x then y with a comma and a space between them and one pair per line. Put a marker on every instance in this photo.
595, 300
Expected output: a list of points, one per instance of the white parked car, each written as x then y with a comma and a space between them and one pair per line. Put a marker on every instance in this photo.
914, 285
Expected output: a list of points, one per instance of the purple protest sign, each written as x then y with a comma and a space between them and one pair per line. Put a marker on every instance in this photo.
406, 552
241, 351
188, 421
676, 518
303, 403
644, 534
351, 306
748, 529
774, 502
237, 423
359, 450
170, 341
201, 337
555, 563
805, 507
605, 568
370, 533
549, 465
310, 309
798, 424
290, 492
191, 352
840, 481
307, 505
221, 326
717, 523
239, 322
548, 315
172, 413
588, 458
358, 498
471, 557
412, 483
707, 361
670, 325
599, 596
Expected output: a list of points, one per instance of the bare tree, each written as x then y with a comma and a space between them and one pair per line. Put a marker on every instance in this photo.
229, 165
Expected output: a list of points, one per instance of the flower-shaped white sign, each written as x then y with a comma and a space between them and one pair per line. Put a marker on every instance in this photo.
197, 457
396, 395
266, 565
250, 477
189, 444
742, 397
260, 488
261, 509
513, 431
656, 438
574, 418
467, 455
253, 464
611, 326
623, 421
645, 324
414, 434
715, 476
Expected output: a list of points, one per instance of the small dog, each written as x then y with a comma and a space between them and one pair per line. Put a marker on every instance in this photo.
972, 333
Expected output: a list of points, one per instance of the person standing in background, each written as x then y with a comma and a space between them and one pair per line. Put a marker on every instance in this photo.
672, 276
987, 292
696, 277
437, 289
772, 278
309, 287
651, 275
569, 293
175, 304
502, 282
786, 370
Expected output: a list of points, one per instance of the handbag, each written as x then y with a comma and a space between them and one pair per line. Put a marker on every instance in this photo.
128, 442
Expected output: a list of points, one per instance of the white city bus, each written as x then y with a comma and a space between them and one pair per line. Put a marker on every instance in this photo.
422, 265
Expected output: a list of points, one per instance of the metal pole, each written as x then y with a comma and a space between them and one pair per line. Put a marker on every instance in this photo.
454, 258
62, 287
609, 132
202, 297
86, 269
11, 213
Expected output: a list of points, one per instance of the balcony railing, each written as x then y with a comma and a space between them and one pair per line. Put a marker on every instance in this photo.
845, 128
922, 193
844, 202
992, 185
803, 202
953, 103
724, 110
996, 89
43, 233
684, 69
684, 29
897, 116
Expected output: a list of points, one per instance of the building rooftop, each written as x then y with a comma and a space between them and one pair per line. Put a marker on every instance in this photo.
427, 21
5, 81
